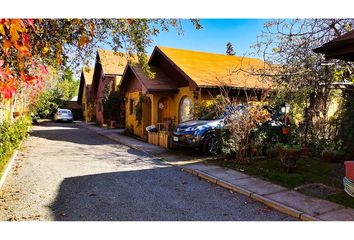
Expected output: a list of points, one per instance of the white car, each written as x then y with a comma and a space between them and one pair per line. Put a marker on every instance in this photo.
63, 115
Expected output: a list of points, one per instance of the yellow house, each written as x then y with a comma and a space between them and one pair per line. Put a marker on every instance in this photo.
85, 94
181, 78
5, 110
13, 108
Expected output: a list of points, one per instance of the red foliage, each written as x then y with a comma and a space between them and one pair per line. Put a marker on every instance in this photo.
16, 45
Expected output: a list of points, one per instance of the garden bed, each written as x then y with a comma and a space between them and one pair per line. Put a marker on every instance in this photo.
11, 137
308, 171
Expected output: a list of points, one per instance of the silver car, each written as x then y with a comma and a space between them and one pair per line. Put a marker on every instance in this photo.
63, 115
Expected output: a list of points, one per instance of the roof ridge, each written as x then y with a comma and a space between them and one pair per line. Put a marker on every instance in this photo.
203, 52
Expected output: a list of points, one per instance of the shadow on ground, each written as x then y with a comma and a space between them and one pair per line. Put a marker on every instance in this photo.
68, 132
71, 132
158, 194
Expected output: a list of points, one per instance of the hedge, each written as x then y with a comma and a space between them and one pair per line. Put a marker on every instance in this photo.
11, 136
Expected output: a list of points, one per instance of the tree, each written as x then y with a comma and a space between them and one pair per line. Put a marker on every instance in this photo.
67, 85
240, 121
230, 49
46, 103
302, 76
29, 46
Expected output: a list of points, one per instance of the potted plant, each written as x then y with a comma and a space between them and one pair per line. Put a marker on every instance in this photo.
288, 155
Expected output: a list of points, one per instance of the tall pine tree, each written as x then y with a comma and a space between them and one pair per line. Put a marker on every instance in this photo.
230, 49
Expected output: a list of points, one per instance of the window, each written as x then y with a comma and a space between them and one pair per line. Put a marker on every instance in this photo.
131, 106
185, 107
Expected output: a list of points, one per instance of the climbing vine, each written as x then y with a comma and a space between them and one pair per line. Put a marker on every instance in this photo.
139, 108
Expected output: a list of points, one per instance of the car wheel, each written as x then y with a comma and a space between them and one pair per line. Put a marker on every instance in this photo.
211, 145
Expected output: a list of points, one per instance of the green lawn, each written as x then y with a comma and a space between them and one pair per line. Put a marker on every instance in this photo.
308, 170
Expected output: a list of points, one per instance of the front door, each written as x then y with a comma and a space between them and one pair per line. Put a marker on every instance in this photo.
164, 110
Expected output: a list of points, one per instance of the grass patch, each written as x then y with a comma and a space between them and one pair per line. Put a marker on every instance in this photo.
308, 171
342, 198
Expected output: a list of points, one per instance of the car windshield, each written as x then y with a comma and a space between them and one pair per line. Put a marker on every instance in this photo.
64, 111
210, 116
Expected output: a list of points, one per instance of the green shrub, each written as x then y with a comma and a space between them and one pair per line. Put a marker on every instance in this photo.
47, 104
112, 106
11, 136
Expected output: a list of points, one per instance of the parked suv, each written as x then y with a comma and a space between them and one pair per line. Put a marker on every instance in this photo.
63, 115
200, 133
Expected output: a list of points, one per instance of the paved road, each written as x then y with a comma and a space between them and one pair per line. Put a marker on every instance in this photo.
65, 172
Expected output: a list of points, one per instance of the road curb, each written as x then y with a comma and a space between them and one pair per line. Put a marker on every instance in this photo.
259, 198
8, 168
277, 205
306, 217
234, 188
207, 177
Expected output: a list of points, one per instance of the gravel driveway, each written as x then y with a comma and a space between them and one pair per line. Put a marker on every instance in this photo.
65, 172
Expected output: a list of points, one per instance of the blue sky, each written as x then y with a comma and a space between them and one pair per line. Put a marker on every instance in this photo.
213, 37
242, 33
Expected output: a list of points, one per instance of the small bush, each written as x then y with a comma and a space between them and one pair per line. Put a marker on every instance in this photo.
47, 104
11, 136
112, 106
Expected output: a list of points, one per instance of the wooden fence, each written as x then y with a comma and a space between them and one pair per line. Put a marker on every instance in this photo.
161, 139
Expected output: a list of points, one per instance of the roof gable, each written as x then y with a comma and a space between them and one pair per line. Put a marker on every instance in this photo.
159, 83
113, 63
109, 63
85, 80
88, 75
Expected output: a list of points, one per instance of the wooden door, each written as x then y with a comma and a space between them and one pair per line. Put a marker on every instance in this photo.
164, 110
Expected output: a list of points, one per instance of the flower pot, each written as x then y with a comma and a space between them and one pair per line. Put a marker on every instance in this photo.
285, 131
288, 157
349, 170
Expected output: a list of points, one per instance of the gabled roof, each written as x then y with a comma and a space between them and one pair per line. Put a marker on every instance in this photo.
85, 80
212, 70
159, 83
108, 63
88, 75
113, 63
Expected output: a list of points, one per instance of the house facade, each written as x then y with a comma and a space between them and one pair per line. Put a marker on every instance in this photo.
85, 98
14, 107
182, 78
108, 71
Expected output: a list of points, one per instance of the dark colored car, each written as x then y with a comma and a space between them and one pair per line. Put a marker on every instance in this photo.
200, 133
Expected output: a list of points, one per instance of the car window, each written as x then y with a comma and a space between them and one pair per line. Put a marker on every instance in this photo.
64, 111
210, 116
